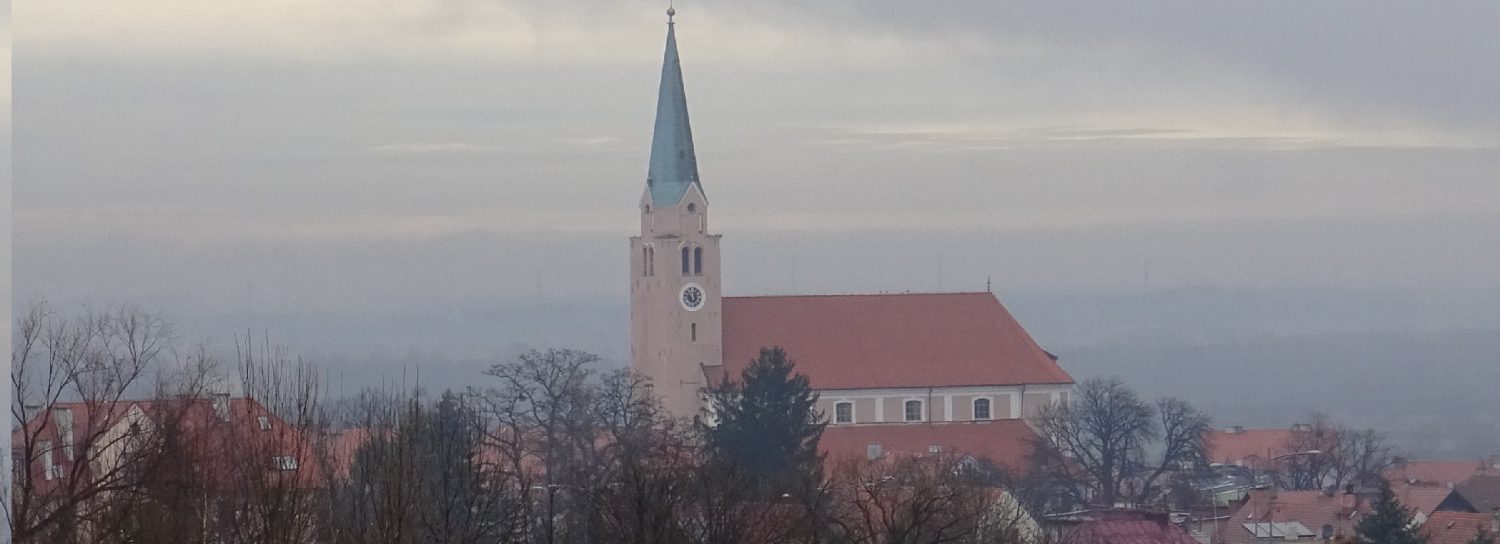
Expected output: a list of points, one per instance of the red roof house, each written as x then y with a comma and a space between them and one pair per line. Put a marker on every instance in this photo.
1458, 527
1128, 527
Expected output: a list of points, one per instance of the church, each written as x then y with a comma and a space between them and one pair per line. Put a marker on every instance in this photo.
877, 361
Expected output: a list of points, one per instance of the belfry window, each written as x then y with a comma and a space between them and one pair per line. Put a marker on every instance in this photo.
645, 261
694, 332
981, 408
913, 410
697, 261
843, 412
685, 255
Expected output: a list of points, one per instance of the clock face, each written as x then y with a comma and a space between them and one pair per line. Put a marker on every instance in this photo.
691, 297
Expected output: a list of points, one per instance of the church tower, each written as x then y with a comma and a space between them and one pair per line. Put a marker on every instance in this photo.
676, 319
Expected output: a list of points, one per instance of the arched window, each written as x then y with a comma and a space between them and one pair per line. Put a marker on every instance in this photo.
981, 409
843, 412
697, 261
685, 255
650, 260
645, 261
913, 410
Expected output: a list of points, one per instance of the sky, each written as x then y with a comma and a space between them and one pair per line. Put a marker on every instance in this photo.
373, 155
1153, 188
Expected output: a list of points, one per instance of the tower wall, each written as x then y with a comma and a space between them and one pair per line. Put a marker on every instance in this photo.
668, 342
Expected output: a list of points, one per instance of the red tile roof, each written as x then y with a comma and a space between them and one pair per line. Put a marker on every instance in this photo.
1439, 472
1482, 491
1127, 527
1314, 509
891, 340
1247, 447
1455, 527
1005, 442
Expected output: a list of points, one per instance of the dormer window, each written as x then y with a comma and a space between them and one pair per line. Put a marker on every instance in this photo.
285, 462
265, 422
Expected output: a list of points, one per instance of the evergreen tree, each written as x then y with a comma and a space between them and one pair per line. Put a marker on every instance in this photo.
767, 424
1388, 522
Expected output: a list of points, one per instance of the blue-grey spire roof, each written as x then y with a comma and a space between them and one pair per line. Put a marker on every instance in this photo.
674, 167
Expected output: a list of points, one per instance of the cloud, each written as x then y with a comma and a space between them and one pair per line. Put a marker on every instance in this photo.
438, 148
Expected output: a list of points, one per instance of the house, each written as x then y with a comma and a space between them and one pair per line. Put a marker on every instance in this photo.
1123, 526
88, 441
1321, 515
1441, 472
1458, 527
1259, 449
1482, 491
874, 359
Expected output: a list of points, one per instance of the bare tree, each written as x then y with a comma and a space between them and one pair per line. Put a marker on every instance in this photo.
1097, 445
79, 452
546, 434
1308, 470
1332, 455
1362, 457
265, 463
923, 499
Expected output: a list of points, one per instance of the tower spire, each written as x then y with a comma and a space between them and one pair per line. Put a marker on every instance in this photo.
674, 166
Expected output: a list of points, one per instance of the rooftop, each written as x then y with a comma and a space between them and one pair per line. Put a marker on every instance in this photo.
889, 340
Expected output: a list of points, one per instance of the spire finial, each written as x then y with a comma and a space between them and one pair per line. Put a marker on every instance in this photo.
670, 12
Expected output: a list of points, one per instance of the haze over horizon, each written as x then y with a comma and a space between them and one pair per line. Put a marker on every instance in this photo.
1293, 193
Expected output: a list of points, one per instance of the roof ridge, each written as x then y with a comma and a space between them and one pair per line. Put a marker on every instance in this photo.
880, 294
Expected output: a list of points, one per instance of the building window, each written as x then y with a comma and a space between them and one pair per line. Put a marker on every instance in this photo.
914, 410
685, 255
695, 332
692, 207
650, 260
285, 462
697, 261
49, 467
981, 408
645, 261
265, 422
843, 412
